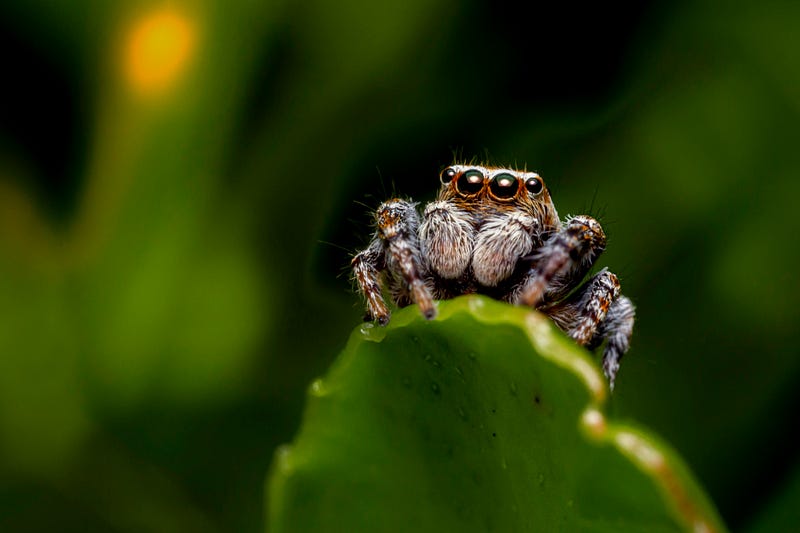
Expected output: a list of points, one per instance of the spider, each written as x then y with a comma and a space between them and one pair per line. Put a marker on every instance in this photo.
495, 231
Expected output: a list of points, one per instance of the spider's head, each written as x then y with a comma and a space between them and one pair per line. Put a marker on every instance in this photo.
499, 189
494, 183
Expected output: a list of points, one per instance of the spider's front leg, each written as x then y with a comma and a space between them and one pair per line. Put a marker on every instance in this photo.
597, 312
395, 247
398, 227
562, 261
594, 313
617, 330
367, 267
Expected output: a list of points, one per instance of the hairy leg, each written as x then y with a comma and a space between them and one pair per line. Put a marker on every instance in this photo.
367, 266
562, 261
582, 313
398, 223
597, 312
617, 330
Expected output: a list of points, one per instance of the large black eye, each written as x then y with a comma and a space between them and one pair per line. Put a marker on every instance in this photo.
504, 185
447, 175
534, 185
470, 182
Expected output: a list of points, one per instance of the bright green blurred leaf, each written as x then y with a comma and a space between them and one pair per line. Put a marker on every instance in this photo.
484, 419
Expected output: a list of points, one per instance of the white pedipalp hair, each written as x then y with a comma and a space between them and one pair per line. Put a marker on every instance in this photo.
446, 239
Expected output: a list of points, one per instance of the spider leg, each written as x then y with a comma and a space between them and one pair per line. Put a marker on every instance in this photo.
595, 313
367, 266
398, 225
562, 261
581, 314
616, 330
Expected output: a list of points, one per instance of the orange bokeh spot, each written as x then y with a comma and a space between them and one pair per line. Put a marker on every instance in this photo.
158, 49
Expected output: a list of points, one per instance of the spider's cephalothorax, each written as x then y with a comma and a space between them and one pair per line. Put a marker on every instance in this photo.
495, 231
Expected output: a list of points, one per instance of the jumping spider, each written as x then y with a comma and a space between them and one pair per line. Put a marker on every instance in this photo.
495, 231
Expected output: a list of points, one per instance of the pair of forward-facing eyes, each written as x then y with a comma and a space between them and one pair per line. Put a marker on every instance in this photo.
502, 184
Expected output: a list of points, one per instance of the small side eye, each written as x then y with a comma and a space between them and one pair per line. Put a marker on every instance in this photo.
470, 182
447, 175
534, 185
504, 186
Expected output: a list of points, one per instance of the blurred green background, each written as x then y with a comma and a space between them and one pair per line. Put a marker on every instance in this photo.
182, 184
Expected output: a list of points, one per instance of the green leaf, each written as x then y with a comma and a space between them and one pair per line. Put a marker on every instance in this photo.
485, 419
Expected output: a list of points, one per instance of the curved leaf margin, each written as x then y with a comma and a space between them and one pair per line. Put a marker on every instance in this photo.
680, 492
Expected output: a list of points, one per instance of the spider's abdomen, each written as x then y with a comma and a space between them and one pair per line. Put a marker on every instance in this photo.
501, 241
446, 235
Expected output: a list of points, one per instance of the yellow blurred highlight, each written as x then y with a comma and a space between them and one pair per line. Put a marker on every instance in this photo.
158, 49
